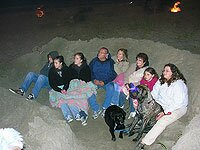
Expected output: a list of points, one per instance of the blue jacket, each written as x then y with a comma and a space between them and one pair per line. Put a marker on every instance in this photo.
103, 70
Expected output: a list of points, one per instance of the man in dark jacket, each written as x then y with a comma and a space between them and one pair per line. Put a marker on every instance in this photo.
40, 80
102, 71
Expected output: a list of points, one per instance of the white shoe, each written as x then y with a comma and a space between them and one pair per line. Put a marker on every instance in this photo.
96, 114
132, 115
78, 118
103, 113
69, 119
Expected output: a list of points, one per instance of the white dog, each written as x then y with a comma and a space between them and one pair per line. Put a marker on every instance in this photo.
10, 139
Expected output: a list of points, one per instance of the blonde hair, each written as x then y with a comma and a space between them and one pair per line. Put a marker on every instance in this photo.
125, 54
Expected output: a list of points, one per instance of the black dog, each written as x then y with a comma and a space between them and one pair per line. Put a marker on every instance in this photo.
114, 118
146, 112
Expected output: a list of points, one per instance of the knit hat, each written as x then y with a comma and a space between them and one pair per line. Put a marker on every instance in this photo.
53, 54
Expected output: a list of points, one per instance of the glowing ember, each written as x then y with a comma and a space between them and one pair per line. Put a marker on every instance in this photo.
39, 12
176, 9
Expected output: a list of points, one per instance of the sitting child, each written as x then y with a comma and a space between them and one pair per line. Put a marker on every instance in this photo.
150, 78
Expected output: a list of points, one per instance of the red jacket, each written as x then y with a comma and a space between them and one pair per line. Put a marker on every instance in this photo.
149, 84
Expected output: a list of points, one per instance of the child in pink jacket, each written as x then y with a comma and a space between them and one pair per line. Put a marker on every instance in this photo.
150, 78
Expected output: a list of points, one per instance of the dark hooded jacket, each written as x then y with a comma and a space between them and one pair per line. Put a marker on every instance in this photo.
48, 65
83, 72
59, 77
103, 70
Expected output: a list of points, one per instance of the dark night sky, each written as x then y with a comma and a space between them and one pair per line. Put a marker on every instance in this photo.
22, 3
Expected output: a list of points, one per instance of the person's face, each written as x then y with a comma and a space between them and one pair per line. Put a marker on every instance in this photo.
57, 64
50, 59
140, 62
102, 55
148, 76
120, 55
167, 73
77, 60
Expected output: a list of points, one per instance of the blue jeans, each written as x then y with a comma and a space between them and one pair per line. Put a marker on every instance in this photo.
122, 99
69, 110
112, 97
41, 81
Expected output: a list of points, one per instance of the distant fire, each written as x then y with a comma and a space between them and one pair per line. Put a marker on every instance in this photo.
176, 8
39, 12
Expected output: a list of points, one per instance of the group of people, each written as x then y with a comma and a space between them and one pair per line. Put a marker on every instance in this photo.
74, 88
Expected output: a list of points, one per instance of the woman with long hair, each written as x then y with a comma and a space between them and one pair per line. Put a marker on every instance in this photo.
171, 92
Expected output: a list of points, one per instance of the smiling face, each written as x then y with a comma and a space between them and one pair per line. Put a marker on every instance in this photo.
120, 55
140, 62
148, 76
102, 55
77, 60
167, 73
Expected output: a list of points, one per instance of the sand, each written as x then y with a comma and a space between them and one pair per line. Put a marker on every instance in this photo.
25, 41
43, 127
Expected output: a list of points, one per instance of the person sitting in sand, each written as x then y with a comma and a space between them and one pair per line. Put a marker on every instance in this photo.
40, 80
171, 92
103, 73
121, 61
150, 78
59, 77
78, 107
133, 75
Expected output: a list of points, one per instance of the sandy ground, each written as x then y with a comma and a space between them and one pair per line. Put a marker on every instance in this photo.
43, 127
114, 26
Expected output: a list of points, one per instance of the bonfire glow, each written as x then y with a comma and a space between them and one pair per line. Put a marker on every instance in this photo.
39, 12
176, 9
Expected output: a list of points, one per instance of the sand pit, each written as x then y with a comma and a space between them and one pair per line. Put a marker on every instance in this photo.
44, 128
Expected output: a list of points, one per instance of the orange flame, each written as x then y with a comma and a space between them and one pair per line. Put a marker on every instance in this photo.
176, 9
39, 12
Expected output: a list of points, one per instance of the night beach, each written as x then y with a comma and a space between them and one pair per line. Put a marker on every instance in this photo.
73, 26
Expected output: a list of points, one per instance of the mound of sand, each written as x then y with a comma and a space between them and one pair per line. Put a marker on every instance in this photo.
44, 128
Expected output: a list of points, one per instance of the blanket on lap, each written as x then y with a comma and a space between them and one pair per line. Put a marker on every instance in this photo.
77, 94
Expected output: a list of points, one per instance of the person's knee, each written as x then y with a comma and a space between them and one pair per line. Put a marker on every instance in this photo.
162, 123
41, 78
30, 74
92, 98
110, 87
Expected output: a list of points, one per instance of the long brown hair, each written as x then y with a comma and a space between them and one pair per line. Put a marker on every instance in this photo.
176, 75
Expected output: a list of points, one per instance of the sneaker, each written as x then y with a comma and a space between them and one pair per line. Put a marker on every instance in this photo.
122, 107
103, 113
30, 97
78, 117
84, 120
132, 115
19, 92
69, 119
96, 114
140, 146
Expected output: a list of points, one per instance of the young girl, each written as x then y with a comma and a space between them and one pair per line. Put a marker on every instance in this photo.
59, 76
121, 61
75, 104
150, 78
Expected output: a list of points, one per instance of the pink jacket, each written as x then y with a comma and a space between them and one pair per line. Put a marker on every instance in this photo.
149, 84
